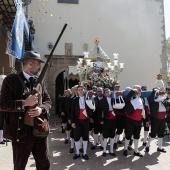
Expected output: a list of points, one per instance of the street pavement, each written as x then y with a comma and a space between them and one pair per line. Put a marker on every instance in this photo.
62, 160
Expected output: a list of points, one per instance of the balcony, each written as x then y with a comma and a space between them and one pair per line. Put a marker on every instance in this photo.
7, 12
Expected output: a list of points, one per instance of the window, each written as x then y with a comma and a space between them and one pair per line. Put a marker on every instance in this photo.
68, 1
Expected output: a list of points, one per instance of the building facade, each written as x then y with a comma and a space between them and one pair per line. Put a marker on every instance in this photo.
133, 28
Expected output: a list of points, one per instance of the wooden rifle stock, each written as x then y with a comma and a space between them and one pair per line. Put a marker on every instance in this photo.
28, 120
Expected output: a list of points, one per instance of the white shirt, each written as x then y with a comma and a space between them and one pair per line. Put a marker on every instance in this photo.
137, 103
146, 101
161, 107
100, 97
27, 76
109, 102
82, 102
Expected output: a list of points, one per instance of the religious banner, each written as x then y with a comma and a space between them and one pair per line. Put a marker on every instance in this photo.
15, 46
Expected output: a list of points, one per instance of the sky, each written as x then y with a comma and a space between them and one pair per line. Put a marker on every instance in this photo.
167, 17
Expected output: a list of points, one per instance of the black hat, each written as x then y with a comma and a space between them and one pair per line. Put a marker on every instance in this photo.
31, 55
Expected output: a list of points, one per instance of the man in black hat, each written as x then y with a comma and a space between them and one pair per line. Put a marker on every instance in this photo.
14, 101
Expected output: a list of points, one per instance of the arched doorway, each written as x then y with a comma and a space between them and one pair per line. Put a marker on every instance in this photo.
55, 76
59, 86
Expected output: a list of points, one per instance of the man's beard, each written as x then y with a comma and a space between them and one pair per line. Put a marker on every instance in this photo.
36, 73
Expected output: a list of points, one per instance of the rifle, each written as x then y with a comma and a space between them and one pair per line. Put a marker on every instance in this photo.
28, 120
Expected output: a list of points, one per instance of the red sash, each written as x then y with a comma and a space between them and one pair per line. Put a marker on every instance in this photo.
81, 115
147, 109
136, 115
111, 116
121, 114
160, 115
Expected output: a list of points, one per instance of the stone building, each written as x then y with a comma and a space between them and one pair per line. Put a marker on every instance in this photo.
133, 28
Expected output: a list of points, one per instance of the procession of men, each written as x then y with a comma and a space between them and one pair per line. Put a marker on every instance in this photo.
104, 115
94, 116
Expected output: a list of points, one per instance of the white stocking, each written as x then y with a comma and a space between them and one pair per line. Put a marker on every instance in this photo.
111, 145
77, 147
64, 125
72, 142
126, 144
145, 136
116, 138
81, 142
160, 143
101, 139
104, 144
136, 142
68, 134
149, 141
84, 147
95, 136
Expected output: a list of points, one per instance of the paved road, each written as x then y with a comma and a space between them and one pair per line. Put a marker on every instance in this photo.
61, 160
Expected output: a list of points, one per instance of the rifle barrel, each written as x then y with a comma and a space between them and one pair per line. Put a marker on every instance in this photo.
41, 76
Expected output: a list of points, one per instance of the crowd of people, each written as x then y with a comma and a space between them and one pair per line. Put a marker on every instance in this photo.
83, 112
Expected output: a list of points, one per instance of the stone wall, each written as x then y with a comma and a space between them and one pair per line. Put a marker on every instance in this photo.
59, 63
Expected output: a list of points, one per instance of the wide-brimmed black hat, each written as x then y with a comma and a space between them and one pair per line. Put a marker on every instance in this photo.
31, 55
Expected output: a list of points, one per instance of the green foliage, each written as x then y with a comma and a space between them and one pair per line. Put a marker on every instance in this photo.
168, 45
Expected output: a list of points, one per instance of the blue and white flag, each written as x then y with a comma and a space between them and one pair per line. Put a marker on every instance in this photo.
15, 47
27, 31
